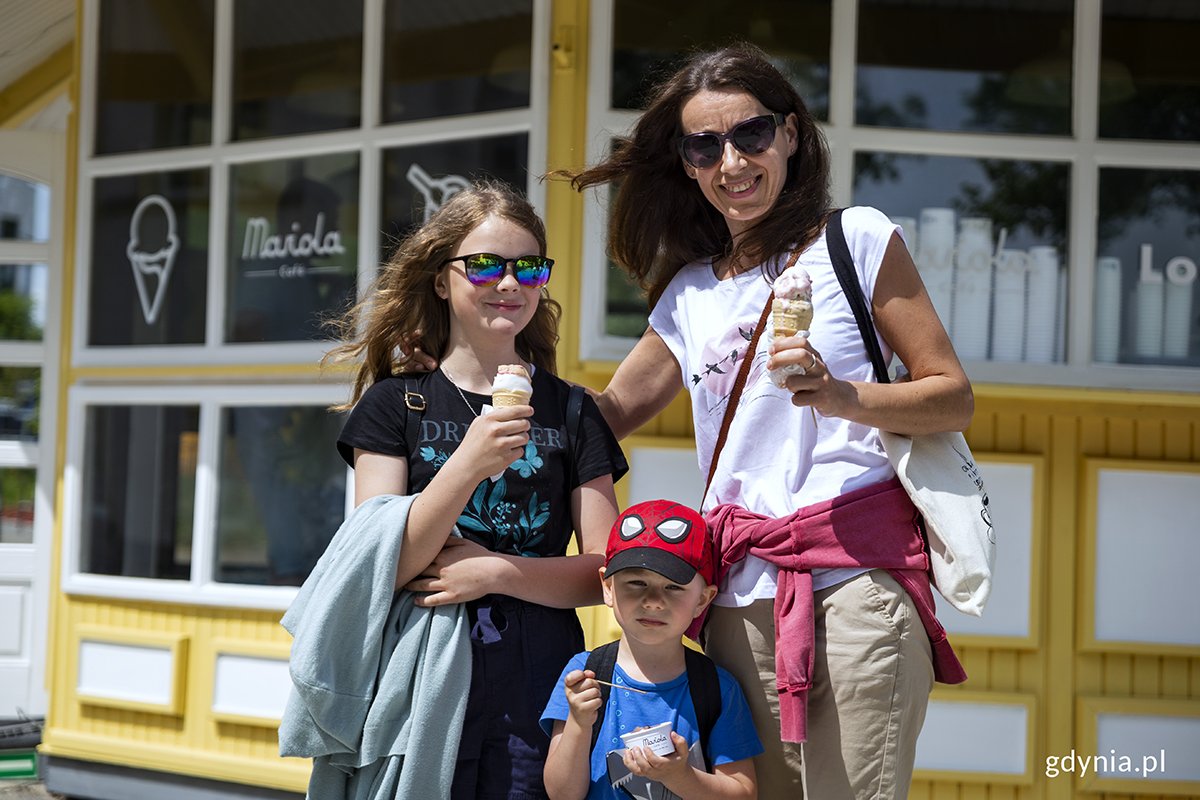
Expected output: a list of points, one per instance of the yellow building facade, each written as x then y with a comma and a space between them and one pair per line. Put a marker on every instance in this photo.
185, 413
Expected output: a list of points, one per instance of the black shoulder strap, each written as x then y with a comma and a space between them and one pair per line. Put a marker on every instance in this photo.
705, 688
574, 415
843, 266
602, 661
703, 684
414, 409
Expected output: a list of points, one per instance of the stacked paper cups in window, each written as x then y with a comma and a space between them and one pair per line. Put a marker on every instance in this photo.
1042, 307
1106, 322
935, 259
1008, 311
972, 301
1177, 315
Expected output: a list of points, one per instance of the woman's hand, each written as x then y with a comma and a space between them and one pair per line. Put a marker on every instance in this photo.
461, 571
493, 442
814, 386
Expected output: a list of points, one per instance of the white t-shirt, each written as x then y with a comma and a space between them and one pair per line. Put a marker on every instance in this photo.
778, 457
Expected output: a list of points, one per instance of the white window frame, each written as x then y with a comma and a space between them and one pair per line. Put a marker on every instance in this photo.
200, 588
368, 140
1083, 151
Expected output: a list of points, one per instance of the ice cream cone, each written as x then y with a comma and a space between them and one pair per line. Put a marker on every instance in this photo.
511, 386
788, 317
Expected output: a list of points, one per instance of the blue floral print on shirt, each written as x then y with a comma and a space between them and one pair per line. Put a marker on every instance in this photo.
490, 516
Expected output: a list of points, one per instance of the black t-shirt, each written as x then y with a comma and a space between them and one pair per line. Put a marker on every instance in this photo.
527, 511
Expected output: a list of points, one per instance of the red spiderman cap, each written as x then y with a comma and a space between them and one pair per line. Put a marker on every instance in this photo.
662, 536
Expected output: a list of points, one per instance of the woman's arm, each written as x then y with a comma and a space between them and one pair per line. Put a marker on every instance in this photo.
492, 443
937, 397
464, 570
645, 383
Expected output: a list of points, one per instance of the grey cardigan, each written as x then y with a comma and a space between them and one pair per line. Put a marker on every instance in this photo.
379, 685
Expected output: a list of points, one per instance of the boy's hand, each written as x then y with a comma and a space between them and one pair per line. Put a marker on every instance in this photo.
664, 769
583, 696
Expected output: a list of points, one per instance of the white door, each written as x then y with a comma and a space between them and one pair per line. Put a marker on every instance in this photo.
31, 165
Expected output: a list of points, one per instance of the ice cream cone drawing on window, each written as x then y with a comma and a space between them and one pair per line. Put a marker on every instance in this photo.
152, 247
436, 191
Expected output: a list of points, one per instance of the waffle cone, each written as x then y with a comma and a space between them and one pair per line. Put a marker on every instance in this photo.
790, 316
503, 399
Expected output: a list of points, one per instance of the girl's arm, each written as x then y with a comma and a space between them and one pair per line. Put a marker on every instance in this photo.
492, 443
464, 570
644, 384
937, 398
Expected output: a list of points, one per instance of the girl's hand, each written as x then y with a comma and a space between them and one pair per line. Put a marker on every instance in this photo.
463, 570
664, 769
815, 387
493, 442
583, 696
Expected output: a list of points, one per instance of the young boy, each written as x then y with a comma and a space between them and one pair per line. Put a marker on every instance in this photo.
658, 576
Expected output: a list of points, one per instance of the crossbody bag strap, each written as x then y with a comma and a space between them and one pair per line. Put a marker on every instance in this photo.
740, 383
843, 267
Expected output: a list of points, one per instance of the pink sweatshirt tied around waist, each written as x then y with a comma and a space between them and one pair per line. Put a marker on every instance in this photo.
876, 527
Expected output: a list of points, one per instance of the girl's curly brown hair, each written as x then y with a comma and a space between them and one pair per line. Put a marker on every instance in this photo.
402, 309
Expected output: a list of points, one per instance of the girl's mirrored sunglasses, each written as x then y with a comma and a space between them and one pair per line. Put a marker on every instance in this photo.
753, 136
487, 269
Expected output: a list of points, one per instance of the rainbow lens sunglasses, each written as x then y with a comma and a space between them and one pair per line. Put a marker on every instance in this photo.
488, 269
753, 136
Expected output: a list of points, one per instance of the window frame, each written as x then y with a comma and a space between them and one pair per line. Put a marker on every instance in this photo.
218, 156
1083, 151
200, 588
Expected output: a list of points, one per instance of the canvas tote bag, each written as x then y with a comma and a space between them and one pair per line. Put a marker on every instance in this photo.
937, 470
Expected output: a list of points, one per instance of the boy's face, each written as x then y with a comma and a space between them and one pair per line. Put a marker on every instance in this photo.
652, 608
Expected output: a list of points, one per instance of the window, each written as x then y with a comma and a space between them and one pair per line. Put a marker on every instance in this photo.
1041, 159
213, 490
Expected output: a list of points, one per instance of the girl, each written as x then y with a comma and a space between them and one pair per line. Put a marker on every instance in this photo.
468, 288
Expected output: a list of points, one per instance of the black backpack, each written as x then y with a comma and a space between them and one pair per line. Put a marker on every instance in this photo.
703, 684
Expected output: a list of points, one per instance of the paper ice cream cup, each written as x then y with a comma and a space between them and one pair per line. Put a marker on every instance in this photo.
656, 739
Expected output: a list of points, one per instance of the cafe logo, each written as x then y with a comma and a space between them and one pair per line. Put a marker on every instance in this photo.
436, 191
152, 247
260, 243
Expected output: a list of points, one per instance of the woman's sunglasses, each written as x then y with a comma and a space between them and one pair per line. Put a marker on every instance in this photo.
487, 269
751, 137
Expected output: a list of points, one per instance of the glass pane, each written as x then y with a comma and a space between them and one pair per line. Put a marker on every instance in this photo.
293, 246
651, 38
418, 179
139, 486
297, 76
149, 259
1001, 67
282, 493
1149, 72
989, 239
1148, 248
438, 62
20, 399
24, 210
16, 505
154, 87
22, 302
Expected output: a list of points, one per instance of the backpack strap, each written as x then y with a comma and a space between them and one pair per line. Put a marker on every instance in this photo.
704, 685
602, 661
705, 688
574, 420
843, 266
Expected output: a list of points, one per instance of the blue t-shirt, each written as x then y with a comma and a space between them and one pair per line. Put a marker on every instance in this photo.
733, 736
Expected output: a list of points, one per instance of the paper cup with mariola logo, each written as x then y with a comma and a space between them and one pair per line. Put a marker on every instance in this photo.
656, 739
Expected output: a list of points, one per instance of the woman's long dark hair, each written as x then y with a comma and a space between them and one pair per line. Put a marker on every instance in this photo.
661, 220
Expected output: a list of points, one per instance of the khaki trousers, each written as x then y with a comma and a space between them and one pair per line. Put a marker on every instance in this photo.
873, 671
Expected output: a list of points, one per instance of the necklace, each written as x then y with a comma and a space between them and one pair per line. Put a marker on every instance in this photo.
450, 378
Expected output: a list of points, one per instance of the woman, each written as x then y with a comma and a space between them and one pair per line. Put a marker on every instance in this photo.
724, 176
515, 481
